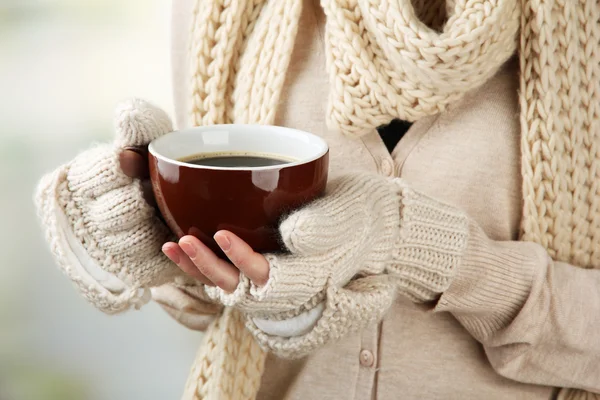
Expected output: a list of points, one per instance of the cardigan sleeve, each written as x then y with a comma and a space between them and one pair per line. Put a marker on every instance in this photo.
186, 305
536, 318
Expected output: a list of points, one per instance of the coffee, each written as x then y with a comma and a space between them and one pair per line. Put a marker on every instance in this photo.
235, 160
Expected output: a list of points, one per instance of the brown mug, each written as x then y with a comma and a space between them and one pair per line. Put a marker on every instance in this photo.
209, 195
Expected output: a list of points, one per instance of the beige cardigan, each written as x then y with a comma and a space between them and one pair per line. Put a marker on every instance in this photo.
513, 325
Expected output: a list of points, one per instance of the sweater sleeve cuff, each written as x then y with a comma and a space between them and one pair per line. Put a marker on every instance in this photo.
492, 283
188, 306
431, 243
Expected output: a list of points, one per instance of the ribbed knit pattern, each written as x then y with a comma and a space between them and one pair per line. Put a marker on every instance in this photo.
560, 123
91, 202
492, 289
430, 246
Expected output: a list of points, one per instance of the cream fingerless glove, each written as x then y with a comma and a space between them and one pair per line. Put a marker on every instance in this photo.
378, 230
101, 231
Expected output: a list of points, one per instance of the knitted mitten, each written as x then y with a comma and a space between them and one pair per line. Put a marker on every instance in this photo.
367, 227
101, 231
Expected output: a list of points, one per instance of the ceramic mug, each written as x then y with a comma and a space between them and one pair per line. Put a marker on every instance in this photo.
200, 200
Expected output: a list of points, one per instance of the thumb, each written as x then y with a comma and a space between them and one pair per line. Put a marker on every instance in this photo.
313, 230
138, 122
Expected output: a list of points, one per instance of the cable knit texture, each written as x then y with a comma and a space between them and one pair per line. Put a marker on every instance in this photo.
94, 214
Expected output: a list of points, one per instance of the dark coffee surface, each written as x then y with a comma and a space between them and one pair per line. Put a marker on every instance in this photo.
234, 160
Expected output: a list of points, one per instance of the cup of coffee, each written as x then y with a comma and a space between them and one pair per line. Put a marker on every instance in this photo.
240, 178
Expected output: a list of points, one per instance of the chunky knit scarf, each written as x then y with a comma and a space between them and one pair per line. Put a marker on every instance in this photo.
408, 59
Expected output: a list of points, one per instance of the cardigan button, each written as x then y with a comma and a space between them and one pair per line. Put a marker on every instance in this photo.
367, 359
387, 167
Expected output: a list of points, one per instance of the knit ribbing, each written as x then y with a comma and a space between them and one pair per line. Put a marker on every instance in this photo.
430, 247
492, 284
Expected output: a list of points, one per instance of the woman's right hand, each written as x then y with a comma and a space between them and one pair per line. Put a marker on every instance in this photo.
102, 231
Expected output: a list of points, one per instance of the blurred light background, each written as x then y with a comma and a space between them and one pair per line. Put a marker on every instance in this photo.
64, 64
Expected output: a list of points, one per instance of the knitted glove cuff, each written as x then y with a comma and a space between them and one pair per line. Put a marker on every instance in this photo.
106, 291
115, 225
282, 297
101, 231
362, 302
431, 243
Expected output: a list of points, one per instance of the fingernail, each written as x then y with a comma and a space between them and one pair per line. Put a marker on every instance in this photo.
188, 248
138, 149
173, 256
223, 242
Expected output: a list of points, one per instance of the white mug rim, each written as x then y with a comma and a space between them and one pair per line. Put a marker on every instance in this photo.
323, 147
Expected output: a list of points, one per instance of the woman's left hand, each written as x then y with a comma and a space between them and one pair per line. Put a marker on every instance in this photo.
195, 259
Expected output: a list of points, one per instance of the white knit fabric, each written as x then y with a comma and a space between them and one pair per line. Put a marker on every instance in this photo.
385, 63
349, 309
102, 233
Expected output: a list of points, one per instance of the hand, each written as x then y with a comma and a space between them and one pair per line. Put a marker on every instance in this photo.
133, 161
199, 262
350, 231
350, 253
102, 232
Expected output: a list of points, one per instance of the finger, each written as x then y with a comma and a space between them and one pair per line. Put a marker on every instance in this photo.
138, 122
220, 272
254, 265
148, 194
134, 163
177, 255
